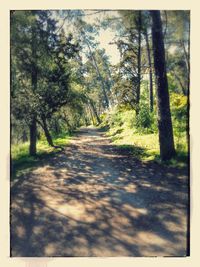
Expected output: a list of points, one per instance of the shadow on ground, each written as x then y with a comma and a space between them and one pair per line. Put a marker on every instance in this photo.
91, 200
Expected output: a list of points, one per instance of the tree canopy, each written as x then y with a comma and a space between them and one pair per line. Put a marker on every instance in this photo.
62, 77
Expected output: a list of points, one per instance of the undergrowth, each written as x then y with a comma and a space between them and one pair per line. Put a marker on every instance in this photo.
127, 133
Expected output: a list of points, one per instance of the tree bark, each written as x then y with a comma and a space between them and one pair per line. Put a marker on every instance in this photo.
166, 139
150, 73
189, 60
46, 132
138, 63
34, 78
33, 137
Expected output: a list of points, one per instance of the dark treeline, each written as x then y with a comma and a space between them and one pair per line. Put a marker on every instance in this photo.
61, 78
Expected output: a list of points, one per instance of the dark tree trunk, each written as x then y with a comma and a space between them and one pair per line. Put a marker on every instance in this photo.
166, 140
150, 73
33, 137
46, 132
138, 62
33, 124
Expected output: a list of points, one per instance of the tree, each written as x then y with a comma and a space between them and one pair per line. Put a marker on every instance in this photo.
166, 140
146, 26
129, 42
177, 41
42, 60
85, 31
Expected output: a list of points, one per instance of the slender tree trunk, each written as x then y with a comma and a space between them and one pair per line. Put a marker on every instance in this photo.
189, 60
33, 137
46, 132
94, 111
186, 56
166, 139
33, 124
138, 63
99, 74
150, 73
180, 82
91, 114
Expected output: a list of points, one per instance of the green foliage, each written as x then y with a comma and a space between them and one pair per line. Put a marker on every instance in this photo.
179, 109
144, 119
142, 142
51, 79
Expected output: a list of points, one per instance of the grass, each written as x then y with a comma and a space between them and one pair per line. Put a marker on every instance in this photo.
23, 163
145, 146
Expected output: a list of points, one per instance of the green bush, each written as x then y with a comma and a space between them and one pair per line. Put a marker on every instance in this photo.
145, 119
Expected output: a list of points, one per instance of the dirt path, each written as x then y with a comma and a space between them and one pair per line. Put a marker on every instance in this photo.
92, 200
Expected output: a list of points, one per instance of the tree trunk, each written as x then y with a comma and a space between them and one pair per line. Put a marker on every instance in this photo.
46, 132
150, 73
33, 124
99, 74
91, 114
33, 137
189, 60
138, 63
166, 139
180, 82
94, 111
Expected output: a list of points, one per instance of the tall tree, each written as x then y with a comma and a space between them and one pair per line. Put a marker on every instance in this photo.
139, 32
166, 139
146, 30
42, 60
130, 46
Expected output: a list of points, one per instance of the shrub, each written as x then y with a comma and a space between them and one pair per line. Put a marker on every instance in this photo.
144, 120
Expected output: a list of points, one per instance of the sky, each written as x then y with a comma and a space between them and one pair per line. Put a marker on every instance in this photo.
104, 37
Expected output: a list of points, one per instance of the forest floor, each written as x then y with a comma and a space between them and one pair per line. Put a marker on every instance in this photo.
93, 199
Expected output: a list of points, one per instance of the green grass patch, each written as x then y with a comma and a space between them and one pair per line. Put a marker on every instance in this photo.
22, 162
144, 145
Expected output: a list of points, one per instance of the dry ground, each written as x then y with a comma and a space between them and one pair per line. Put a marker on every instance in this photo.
94, 200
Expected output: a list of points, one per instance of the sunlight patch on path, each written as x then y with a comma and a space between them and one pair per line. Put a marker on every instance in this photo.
91, 201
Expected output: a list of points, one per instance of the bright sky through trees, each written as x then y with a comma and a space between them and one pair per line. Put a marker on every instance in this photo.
105, 37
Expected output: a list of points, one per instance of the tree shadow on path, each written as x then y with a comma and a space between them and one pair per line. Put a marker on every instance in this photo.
90, 200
